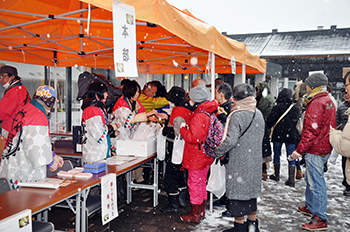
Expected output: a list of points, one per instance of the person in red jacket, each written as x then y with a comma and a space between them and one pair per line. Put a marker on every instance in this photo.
320, 116
15, 97
194, 159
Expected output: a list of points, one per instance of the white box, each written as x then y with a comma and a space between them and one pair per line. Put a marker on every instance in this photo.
136, 148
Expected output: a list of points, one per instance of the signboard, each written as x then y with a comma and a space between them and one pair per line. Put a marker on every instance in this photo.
124, 40
233, 65
109, 205
21, 221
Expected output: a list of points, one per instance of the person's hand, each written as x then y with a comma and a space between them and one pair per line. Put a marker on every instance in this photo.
153, 118
57, 163
295, 155
59, 160
152, 112
163, 116
221, 110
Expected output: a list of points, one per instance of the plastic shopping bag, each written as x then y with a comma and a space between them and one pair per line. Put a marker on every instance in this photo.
217, 179
161, 144
178, 150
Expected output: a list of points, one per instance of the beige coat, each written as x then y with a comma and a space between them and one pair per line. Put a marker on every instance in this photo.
340, 141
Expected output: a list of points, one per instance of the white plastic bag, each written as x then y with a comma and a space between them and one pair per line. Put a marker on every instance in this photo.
161, 141
333, 158
178, 150
217, 179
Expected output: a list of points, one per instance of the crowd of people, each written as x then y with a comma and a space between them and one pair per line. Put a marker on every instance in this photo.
252, 120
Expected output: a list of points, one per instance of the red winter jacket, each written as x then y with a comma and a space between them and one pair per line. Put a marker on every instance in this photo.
14, 99
320, 115
194, 157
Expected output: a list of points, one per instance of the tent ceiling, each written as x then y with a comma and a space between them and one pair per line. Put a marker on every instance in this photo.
58, 32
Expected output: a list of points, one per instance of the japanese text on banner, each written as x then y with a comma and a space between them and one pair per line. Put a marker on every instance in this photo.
124, 40
109, 198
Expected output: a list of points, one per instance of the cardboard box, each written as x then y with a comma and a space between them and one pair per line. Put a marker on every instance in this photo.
136, 148
96, 167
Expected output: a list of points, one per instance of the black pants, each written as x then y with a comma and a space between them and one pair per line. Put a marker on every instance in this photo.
174, 175
345, 183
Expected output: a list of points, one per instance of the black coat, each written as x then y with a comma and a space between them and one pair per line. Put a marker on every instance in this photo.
227, 107
285, 131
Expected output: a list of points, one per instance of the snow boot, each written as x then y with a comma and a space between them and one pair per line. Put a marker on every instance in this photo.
253, 226
264, 176
183, 197
300, 174
291, 176
194, 216
276, 176
173, 204
203, 205
238, 227
316, 224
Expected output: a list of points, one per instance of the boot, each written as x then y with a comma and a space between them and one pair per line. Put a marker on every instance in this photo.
291, 176
300, 174
194, 216
276, 176
238, 227
203, 205
253, 226
173, 204
264, 176
183, 197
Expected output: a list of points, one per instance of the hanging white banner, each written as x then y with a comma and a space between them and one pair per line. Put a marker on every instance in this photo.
109, 198
233, 65
124, 40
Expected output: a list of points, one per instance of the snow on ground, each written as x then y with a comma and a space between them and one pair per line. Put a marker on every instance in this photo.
277, 210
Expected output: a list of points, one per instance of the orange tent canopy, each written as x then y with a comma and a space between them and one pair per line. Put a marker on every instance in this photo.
56, 32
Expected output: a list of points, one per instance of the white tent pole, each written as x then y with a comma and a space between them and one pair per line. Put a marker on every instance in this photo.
243, 67
56, 107
212, 75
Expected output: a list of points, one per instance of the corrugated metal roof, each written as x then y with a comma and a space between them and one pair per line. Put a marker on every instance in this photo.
331, 42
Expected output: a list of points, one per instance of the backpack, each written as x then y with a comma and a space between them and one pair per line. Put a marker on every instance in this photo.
86, 78
214, 136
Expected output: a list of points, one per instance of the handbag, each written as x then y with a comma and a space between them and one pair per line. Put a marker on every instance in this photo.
217, 179
161, 141
178, 150
282, 116
300, 123
225, 158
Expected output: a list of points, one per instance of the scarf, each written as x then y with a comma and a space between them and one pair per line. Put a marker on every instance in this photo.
248, 104
313, 93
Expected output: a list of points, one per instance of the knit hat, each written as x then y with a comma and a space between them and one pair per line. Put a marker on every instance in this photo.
199, 94
316, 79
46, 94
176, 95
11, 71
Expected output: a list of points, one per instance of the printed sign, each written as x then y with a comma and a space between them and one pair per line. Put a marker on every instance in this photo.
124, 40
21, 221
109, 205
233, 65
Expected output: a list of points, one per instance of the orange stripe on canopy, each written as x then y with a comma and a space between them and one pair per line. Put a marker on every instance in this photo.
48, 32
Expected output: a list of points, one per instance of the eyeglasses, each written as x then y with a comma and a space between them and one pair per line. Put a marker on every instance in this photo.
3, 75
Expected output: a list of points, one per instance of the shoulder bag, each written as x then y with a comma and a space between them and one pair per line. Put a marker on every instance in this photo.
284, 114
225, 158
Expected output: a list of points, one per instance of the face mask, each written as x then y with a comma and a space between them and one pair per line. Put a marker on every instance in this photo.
6, 85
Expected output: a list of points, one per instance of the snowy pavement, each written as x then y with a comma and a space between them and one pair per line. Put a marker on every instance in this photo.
277, 210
